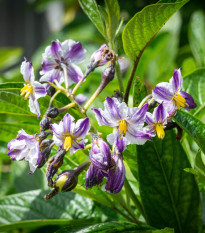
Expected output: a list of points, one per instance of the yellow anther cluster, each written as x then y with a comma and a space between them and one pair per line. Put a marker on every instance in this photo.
122, 127
67, 143
26, 91
179, 100
160, 130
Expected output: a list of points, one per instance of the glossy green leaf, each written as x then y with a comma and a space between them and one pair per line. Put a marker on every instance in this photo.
191, 125
91, 9
167, 192
194, 84
113, 12
109, 227
139, 92
9, 57
197, 36
143, 27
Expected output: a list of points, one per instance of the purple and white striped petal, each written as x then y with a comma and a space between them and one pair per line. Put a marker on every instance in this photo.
150, 120
189, 100
74, 73
76, 54
162, 92
27, 71
138, 117
138, 137
101, 119
56, 50
68, 124
48, 65
94, 177
97, 56
160, 114
81, 128
115, 139
77, 145
51, 76
177, 80
39, 90
112, 107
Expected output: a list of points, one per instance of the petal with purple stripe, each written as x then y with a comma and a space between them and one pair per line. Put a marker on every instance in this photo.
27, 71
39, 89
139, 116
160, 113
74, 73
81, 128
76, 54
150, 120
68, 124
112, 109
162, 92
48, 65
177, 80
189, 100
101, 119
56, 50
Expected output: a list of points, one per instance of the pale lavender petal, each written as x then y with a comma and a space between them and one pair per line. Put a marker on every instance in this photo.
94, 177
150, 120
74, 73
76, 54
160, 113
27, 71
68, 124
101, 119
162, 92
115, 139
77, 145
97, 57
82, 127
139, 116
80, 98
51, 76
39, 90
138, 137
56, 49
189, 100
112, 109
34, 105
177, 80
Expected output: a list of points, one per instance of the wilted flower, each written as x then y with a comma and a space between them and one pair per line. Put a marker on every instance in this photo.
58, 54
157, 121
68, 135
33, 90
129, 121
172, 96
25, 147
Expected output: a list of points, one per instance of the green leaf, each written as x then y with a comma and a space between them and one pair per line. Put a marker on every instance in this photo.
31, 206
139, 92
191, 125
9, 57
113, 12
109, 227
197, 36
143, 27
91, 9
167, 192
194, 84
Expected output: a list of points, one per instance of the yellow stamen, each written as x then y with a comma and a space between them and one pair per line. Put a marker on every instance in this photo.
26, 91
60, 182
123, 127
160, 130
179, 100
67, 143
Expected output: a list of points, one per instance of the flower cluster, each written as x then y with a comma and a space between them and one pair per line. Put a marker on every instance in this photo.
131, 125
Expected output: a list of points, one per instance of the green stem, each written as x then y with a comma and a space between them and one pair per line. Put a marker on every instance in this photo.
134, 197
129, 84
119, 76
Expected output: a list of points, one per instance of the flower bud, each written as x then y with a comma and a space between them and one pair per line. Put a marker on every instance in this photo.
44, 134
44, 156
52, 112
51, 91
109, 73
45, 123
46, 142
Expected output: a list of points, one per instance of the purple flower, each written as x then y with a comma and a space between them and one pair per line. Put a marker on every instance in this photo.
100, 56
25, 147
33, 90
67, 53
172, 96
116, 176
157, 121
129, 122
68, 134
100, 155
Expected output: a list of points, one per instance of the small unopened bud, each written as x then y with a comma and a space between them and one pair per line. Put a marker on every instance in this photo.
44, 134
44, 156
51, 91
109, 73
66, 180
45, 123
46, 142
52, 112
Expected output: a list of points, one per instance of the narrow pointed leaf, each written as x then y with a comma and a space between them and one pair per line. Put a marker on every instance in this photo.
144, 25
170, 195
